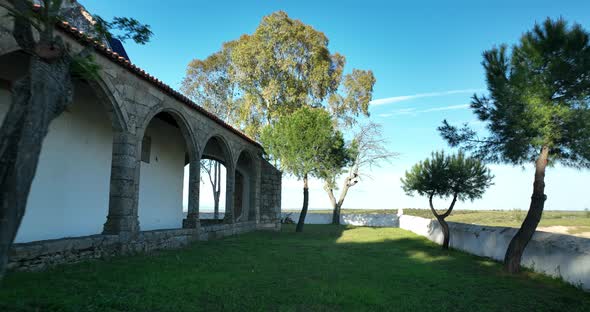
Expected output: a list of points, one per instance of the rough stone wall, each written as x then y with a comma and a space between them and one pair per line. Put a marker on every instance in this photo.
40, 255
270, 201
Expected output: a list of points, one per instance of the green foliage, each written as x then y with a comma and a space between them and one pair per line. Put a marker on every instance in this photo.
283, 65
84, 67
210, 84
444, 176
123, 28
538, 96
305, 143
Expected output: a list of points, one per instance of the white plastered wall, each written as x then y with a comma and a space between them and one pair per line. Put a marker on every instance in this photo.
161, 180
70, 192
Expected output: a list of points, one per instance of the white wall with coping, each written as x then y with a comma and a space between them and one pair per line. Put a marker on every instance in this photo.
161, 180
557, 255
70, 192
377, 220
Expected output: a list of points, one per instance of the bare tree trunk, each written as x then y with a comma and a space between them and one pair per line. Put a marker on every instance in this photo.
337, 205
335, 208
303, 213
529, 225
213, 170
441, 220
36, 100
216, 189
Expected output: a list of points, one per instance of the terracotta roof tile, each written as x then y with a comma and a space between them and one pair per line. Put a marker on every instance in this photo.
114, 56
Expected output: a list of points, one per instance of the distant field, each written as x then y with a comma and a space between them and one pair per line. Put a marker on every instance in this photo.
565, 222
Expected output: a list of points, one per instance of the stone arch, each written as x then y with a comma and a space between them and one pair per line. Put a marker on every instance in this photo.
218, 148
119, 121
164, 173
86, 129
183, 123
246, 185
225, 148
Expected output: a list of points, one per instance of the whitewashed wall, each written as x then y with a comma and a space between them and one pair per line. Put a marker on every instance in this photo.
564, 256
70, 192
160, 183
378, 220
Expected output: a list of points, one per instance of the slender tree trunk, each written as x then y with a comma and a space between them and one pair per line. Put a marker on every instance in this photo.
336, 214
441, 220
529, 225
303, 213
36, 100
335, 208
216, 189
337, 205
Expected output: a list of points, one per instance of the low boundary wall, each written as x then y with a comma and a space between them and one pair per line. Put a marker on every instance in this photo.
39, 255
558, 255
357, 219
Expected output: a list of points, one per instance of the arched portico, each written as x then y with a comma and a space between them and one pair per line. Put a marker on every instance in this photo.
217, 148
245, 194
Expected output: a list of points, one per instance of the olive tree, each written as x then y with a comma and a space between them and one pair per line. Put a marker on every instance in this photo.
537, 111
305, 144
456, 176
38, 98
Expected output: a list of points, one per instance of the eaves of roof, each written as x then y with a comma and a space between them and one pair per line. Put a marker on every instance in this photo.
121, 61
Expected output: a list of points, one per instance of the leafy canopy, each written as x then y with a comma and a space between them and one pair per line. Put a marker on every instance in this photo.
538, 96
283, 65
306, 143
444, 176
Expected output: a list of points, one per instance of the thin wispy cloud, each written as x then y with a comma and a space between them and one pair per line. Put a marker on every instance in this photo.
413, 111
397, 99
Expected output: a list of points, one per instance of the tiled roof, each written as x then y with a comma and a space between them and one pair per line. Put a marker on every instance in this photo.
113, 56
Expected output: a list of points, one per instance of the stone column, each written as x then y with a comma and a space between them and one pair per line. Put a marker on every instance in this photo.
255, 191
194, 179
229, 194
122, 219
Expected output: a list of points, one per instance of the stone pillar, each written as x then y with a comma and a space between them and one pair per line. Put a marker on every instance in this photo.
270, 197
124, 192
194, 179
254, 214
229, 194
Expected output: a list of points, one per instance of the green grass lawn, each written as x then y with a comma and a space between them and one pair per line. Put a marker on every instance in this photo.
327, 268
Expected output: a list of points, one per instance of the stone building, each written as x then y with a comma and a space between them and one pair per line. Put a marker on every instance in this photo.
110, 175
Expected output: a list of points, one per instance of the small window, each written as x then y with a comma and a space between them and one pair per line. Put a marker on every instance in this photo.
146, 147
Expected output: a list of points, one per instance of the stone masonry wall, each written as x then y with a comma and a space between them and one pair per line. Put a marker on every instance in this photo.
40, 255
270, 201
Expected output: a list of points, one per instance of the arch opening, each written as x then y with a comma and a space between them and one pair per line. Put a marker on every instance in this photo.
244, 190
164, 154
213, 197
70, 192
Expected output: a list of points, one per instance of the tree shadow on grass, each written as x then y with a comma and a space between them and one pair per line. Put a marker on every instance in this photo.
326, 268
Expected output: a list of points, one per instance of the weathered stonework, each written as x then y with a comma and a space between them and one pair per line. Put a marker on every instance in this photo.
40, 255
270, 193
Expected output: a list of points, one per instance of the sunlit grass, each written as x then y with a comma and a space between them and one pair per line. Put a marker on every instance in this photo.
326, 268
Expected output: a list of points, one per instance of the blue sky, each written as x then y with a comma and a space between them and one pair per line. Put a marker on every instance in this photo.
425, 55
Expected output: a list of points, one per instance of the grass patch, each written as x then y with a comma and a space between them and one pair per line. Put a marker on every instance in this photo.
327, 268
511, 218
